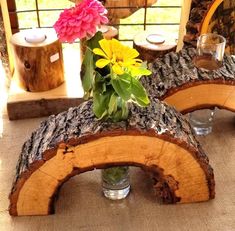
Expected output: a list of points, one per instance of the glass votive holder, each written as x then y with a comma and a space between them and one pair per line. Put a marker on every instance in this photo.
202, 121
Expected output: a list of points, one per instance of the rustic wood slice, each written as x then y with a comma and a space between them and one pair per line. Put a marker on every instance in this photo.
39, 66
156, 138
178, 82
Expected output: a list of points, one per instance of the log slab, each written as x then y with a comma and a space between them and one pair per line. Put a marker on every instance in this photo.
156, 138
178, 82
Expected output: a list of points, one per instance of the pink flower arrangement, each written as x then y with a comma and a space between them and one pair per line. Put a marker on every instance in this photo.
81, 21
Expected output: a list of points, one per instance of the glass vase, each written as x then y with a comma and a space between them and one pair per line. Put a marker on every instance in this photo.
116, 182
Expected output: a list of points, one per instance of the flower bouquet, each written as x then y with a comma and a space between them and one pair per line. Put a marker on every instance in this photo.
110, 71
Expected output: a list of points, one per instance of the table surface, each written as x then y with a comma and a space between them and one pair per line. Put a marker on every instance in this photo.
81, 205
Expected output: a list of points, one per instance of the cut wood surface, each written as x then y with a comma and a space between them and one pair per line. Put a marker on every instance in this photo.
178, 82
156, 138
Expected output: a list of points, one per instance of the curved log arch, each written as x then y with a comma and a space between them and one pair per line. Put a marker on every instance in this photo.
199, 18
216, 16
203, 96
206, 20
156, 138
178, 82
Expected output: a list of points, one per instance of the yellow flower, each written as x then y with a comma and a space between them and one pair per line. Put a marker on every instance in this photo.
116, 54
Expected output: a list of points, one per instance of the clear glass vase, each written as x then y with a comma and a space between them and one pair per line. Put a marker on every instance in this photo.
116, 182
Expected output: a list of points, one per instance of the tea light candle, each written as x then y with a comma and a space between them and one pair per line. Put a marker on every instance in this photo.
155, 39
35, 35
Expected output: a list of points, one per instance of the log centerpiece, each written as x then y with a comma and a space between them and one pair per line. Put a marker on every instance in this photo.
178, 82
157, 139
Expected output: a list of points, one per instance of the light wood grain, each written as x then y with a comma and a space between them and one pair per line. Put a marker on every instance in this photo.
36, 193
185, 11
203, 96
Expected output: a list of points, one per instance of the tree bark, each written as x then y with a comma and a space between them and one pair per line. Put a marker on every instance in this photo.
156, 138
199, 9
178, 82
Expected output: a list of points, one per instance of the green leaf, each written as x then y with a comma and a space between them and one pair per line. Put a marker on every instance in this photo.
88, 65
139, 71
122, 86
112, 107
94, 41
99, 83
100, 104
87, 72
139, 93
128, 87
125, 110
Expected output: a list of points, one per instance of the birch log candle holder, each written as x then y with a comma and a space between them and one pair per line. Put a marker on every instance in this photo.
38, 59
157, 139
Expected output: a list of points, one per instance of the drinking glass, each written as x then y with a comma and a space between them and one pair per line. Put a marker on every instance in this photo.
116, 182
209, 56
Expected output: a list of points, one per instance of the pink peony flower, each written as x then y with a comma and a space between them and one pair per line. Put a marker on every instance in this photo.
80, 21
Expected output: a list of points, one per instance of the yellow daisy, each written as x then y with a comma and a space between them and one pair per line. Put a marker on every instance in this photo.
116, 54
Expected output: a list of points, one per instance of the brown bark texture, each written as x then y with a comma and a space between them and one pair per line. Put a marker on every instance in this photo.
198, 11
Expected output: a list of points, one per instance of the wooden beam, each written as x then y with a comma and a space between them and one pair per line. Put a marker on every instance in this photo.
185, 11
7, 26
13, 16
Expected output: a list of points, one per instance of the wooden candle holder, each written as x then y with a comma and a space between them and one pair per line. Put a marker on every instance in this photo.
149, 51
39, 66
157, 139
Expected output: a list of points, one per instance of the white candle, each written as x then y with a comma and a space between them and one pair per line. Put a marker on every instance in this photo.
35, 35
155, 39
